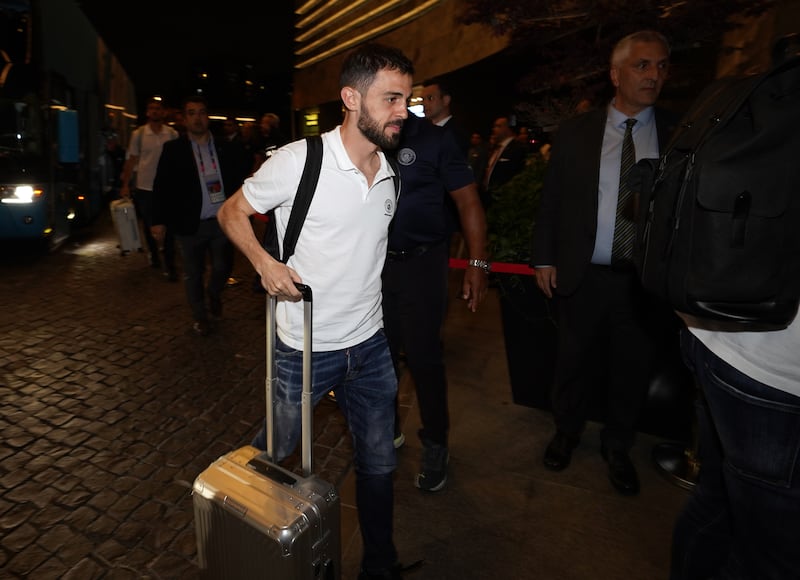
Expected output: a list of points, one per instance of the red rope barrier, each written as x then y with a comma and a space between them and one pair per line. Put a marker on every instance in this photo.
501, 267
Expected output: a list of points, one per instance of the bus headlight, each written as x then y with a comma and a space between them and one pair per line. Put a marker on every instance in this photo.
20, 194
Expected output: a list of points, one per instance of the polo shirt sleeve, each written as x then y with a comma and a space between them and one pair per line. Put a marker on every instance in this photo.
275, 183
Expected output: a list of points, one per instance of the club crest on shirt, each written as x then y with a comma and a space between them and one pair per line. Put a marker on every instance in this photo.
406, 156
388, 207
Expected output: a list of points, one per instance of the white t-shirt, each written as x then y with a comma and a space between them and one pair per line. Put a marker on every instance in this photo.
342, 245
147, 146
771, 358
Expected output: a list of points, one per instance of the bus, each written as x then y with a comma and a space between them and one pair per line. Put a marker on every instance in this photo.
61, 94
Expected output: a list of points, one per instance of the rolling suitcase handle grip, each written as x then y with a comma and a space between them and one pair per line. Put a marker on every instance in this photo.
307, 409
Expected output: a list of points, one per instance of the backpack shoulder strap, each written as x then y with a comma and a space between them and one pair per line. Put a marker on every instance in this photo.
396, 168
305, 192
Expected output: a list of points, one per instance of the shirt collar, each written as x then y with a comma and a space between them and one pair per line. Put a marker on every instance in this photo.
343, 160
617, 118
443, 122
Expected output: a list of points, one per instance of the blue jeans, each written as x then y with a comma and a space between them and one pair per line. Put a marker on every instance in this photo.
365, 384
743, 519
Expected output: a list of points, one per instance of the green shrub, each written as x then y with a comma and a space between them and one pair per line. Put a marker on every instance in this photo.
512, 213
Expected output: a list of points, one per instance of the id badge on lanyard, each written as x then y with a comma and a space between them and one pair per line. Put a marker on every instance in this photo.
216, 193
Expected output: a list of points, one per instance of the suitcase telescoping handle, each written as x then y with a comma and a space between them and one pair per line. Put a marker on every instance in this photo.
306, 405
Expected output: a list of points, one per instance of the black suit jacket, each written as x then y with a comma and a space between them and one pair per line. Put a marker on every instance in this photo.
566, 224
177, 192
511, 162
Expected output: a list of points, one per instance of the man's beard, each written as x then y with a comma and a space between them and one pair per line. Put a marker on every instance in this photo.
372, 130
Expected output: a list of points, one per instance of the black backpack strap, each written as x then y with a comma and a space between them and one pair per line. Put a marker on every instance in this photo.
305, 192
396, 168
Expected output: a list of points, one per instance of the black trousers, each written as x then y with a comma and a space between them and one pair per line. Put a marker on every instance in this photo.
605, 322
414, 307
208, 246
143, 201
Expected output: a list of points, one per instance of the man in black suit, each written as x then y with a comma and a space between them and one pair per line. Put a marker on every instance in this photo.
194, 177
436, 100
506, 158
600, 304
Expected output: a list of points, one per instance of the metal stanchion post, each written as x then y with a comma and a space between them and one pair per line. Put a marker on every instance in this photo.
678, 462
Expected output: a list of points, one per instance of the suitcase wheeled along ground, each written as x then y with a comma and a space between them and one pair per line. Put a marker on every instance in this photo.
123, 214
254, 519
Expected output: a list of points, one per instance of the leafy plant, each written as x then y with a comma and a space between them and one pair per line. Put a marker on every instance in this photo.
512, 213
510, 219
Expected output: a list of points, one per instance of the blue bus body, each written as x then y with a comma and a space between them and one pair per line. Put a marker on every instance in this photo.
61, 94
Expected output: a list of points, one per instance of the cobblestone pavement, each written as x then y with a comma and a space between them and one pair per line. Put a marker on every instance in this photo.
110, 406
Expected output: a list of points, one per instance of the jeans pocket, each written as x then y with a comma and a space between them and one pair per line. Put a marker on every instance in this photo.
758, 426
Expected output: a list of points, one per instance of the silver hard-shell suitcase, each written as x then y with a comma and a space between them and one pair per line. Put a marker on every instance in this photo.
123, 214
255, 519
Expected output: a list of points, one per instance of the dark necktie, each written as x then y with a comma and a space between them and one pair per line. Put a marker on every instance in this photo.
624, 228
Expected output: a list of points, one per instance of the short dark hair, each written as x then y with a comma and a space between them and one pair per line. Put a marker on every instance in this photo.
197, 99
362, 65
444, 86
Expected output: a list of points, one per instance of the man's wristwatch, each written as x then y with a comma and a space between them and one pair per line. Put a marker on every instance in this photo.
482, 264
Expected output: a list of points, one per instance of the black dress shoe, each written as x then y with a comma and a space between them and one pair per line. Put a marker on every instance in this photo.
559, 452
621, 471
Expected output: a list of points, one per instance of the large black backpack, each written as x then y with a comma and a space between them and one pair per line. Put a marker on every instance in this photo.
719, 223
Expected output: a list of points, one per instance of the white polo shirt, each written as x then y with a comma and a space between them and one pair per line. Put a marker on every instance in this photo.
342, 246
147, 146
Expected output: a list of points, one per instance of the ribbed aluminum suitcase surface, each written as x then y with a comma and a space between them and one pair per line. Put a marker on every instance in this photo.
123, 214
254, 519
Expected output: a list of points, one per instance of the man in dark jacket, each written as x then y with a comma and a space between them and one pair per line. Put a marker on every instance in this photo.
506, 158
578, 257
193, 179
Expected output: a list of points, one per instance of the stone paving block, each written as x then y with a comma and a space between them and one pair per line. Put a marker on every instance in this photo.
27, 558
20, 537
53, 567
82, 517
103, 526
87, 569
33, 492
15, 515
105, 425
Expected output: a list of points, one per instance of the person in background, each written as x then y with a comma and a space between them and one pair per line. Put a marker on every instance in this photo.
415, 277
249, 136
340, 254
269, 138
506, 159
195, 175
112, 163
231, 141
233, 147
478, 156
436, 101
230, 130
599, 298
524, 136
142, 157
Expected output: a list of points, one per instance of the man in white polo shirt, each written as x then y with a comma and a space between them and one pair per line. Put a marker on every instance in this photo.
340, 254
